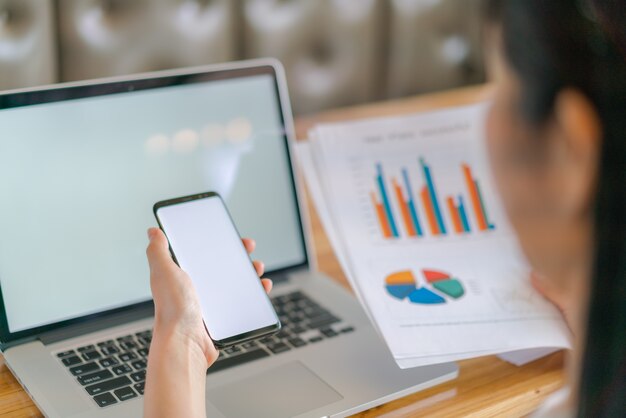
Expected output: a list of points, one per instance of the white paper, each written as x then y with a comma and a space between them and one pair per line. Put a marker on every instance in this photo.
491, 307
521, 357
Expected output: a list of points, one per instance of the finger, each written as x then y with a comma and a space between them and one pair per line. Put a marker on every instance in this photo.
159, 257
259, 267
267, 285
249, 243
536, 283
546, 290
539, 284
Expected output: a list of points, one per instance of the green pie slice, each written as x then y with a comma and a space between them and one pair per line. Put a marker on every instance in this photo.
451, 287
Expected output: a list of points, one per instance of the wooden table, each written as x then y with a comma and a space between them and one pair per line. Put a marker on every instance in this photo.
486, 387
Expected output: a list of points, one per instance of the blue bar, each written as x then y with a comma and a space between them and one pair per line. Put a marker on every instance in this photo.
433, 196
409, 190
385, 199
463, 215
482, 206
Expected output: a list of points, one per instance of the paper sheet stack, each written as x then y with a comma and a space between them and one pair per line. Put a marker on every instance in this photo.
410, 208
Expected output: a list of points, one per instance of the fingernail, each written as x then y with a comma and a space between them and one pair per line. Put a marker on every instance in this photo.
150, 233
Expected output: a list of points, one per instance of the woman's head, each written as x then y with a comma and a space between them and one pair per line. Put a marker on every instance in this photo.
557, 137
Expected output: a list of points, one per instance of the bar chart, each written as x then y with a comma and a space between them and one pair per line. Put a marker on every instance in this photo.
400, 214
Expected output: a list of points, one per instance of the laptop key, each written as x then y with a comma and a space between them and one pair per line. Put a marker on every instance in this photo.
139, 376
125, 394
71, 361
125, 337
232, 350
145, 341
238, 360
110, 349
128, 356
128, 345
107, 342
108, 362
139, 364
328, 332
297, 342
143, 352
105, 399
86, 348
346, 330
278, 348
283, 334
91, 355
315, 311
315, 339
88, 379
296, 319
249, 344
84, 368
298, 329
108, 385
122, 369
65, 353
139, 387
324, 321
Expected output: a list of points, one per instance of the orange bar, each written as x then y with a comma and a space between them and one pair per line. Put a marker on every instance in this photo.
430, 212
454, 213
469, 181
382, 219
404, 209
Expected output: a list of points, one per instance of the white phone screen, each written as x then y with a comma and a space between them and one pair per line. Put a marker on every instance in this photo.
206, 245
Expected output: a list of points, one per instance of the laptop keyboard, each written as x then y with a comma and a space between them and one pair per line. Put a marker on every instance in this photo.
114, 370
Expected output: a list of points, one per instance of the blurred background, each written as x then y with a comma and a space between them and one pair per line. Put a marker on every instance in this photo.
336, 52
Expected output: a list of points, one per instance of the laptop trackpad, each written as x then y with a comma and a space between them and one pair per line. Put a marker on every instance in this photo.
283, 391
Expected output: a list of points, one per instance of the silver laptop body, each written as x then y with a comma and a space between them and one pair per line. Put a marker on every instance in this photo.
330, 361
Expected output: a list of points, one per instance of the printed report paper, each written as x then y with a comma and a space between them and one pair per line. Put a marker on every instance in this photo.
411, 211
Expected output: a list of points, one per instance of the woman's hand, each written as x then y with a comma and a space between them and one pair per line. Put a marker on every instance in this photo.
177, 308
554, 295
181, 349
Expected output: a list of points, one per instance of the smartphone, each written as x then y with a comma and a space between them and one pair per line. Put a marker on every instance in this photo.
205, 243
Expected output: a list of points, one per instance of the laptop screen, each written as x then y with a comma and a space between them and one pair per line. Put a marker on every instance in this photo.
80, 176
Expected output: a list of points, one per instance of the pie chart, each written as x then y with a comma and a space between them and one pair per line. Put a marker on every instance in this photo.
441, 287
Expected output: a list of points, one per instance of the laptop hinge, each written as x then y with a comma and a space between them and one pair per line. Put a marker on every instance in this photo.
279, 278
108, 321
5, 346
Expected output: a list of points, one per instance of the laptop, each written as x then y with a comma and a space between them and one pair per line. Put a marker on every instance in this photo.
83, 163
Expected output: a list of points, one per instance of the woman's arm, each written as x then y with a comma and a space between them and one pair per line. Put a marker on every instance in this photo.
181, 350
176, 376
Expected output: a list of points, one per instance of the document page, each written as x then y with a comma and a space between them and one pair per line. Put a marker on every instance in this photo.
412, 212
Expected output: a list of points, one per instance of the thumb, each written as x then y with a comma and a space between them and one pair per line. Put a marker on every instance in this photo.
158, 252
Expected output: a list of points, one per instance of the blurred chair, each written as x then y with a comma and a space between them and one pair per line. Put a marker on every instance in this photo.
27, 43
113, 37
433, 45
336, 52
329, 47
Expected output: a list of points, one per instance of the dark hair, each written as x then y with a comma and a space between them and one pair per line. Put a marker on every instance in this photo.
557, 44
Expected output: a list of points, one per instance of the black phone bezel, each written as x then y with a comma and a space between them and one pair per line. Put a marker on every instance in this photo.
235, 339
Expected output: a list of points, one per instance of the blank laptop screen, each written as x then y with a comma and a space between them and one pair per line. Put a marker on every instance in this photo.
79, 178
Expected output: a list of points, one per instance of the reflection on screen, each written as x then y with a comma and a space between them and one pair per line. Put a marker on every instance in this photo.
208, 248
80, 178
